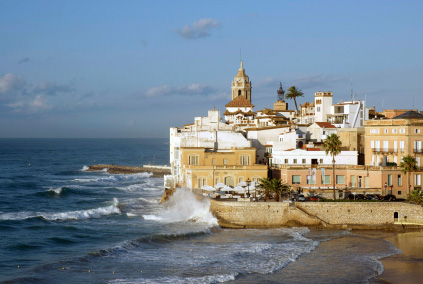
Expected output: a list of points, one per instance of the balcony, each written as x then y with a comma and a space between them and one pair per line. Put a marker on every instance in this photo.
387, 150
417, 151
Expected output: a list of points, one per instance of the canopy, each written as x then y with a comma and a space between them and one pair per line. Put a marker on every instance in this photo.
219, 185
239, 189
208, 188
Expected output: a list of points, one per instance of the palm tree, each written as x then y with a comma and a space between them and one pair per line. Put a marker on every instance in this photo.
408, 165
332, 145
293, 93
266, 184
278, 187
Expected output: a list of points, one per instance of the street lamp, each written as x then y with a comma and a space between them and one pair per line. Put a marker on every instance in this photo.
385, 187
248, 186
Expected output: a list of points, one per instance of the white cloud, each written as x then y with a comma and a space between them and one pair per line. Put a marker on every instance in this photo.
10, 83
199, 29
190, 90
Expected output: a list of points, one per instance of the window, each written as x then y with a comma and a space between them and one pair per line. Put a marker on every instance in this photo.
389, 180
296, 179
295, 161
402, 146
386, 131
402, 130
311, 179
304, 161
399, 192
385, 146
353, 181
417, 146
418, 180
286, 161
245, 160
240, 179
225, 161
416, 131
321, 161
399, 180
318, 109
318, 102
340, 179
395, 146
202, 181
193, 160
377, 145
372, 144
280, 139
213, 161
216, 180
394, 131
326, 179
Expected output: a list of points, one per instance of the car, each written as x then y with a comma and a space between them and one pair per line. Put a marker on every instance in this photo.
301, 197
372, 197
360, 197
315, 198
389, 197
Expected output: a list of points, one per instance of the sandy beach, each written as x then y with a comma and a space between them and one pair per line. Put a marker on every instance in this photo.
404, 268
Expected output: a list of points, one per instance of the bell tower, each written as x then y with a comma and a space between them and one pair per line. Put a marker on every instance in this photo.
241, 86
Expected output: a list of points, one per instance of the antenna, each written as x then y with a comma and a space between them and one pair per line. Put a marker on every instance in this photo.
352, 93
240, 55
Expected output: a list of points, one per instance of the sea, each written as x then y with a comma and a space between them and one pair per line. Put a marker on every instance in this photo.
60, 223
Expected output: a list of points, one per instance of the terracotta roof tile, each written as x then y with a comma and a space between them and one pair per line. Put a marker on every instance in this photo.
325, 124
239, 101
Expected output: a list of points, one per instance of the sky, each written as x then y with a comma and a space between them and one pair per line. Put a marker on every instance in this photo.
133, 69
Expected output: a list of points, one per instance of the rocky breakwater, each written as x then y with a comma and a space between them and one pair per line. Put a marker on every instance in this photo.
157, 171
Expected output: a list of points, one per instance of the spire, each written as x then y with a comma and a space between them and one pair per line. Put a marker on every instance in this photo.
242, 67
281, 93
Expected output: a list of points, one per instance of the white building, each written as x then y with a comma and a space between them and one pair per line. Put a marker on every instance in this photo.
305, 158
206, 132
348, 114
319, 131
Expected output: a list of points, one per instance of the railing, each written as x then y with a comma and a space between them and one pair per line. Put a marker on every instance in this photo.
418, 151
386, 150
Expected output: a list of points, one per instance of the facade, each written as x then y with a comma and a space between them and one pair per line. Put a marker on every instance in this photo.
323, 103
312, 156
319, 131
348, 114
204, 167
389, 140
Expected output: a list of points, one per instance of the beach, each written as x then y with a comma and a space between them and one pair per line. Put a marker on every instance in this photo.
406, 267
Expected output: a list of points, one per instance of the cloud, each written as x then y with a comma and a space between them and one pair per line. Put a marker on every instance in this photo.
315, 81
24, 60
191, 90
10, 83
201, 28
52, 89
32, 105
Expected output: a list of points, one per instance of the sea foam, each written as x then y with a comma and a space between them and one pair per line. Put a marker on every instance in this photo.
63, 216
183, 206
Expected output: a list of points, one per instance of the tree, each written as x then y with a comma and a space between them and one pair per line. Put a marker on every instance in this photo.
277, 187
408, 165
266, 184
332, 145
293, 93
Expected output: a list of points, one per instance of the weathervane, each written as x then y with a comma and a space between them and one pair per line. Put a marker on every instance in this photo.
281, 93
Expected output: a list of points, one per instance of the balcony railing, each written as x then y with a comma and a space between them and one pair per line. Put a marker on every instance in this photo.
417, 151
387, 150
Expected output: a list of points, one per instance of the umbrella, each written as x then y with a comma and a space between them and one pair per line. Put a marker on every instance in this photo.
242, 183
239, 189
208, 188
219, 185
226, 188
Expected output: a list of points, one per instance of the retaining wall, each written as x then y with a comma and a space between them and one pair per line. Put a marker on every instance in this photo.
320, 214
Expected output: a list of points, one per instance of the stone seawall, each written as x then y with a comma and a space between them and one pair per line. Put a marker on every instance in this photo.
116, 169
322, 214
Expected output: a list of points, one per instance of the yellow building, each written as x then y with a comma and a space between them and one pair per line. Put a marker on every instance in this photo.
201, 166
389, 140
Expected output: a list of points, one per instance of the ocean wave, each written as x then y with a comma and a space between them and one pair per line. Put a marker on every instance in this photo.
210, 279
84, 168
183, 206
63, 216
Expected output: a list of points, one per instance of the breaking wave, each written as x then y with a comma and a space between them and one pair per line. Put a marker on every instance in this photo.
210, 279
63, 216
85, 168
183, 206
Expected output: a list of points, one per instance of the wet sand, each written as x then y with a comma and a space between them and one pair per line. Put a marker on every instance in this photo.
407, 267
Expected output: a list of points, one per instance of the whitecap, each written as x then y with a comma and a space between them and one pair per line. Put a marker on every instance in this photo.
85, 168
56, 190
70, 215
209, 279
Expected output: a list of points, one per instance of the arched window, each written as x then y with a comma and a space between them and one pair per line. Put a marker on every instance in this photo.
239, 93
229, 181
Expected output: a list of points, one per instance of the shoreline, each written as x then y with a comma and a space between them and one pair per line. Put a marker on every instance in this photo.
157, 171
407, 266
